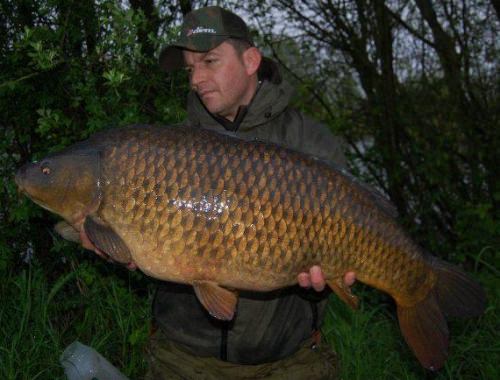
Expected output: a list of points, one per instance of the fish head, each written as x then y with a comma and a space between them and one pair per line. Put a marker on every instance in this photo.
66, 183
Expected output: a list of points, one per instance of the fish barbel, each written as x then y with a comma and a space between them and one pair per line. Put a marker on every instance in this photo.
222, 214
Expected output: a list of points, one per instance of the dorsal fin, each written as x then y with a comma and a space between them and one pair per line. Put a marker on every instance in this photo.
379, 199
373, 194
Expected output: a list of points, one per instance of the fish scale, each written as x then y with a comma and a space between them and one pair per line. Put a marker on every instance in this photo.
193, 206
263, 168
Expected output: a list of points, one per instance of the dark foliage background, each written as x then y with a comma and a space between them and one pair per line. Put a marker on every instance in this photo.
412, 86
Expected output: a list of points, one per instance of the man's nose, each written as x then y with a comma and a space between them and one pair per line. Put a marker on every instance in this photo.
197, 77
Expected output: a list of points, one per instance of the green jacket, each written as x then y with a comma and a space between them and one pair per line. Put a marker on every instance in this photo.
269, 118
267, 326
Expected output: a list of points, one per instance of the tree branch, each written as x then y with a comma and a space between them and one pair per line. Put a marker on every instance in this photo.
408, 27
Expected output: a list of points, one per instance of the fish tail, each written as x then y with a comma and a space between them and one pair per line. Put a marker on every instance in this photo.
424, 324
458, 295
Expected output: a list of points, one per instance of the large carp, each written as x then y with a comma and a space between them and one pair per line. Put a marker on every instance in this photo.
222, 214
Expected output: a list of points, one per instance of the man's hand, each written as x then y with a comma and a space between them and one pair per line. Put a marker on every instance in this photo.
316, 280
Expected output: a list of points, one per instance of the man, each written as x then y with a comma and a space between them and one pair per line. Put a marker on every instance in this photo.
237, 91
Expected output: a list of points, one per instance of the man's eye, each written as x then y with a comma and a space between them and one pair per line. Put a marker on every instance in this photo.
210, 61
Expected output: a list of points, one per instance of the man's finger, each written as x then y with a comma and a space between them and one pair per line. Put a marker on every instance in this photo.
350, 278
317, 278
304, 280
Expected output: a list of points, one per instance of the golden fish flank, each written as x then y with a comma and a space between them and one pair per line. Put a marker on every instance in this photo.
193, 206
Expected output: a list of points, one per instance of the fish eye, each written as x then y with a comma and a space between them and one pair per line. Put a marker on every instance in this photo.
45, 170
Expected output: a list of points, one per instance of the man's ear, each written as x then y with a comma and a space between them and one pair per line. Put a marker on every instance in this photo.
251, 59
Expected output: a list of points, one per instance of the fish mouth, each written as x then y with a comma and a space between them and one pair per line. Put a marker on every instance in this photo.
23, 188
19, 178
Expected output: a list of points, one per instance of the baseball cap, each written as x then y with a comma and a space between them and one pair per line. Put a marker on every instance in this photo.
202, 30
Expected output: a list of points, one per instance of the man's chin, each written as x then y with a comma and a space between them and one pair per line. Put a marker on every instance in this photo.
213, 107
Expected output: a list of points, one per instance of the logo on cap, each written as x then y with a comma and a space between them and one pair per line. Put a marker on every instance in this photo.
200, 29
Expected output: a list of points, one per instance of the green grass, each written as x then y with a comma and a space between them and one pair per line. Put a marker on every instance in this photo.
46, 307
41, 315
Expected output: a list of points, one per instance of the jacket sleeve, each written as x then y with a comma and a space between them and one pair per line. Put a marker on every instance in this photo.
306, 135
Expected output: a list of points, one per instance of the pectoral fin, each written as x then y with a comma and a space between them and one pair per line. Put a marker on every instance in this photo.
67, 231
106, 239
220, 302
344, 292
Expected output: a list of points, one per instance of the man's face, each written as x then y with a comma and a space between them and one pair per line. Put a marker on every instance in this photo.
222, 79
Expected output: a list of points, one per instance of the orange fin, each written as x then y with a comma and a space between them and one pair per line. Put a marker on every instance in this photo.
457, 294
424, 326
344, 292
425, 330
220, 302
106, 239
67, 231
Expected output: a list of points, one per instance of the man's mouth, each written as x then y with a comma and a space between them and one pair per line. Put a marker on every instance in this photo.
205, 93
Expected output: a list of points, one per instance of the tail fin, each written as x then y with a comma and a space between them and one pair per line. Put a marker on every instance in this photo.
424, 325
458, 295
